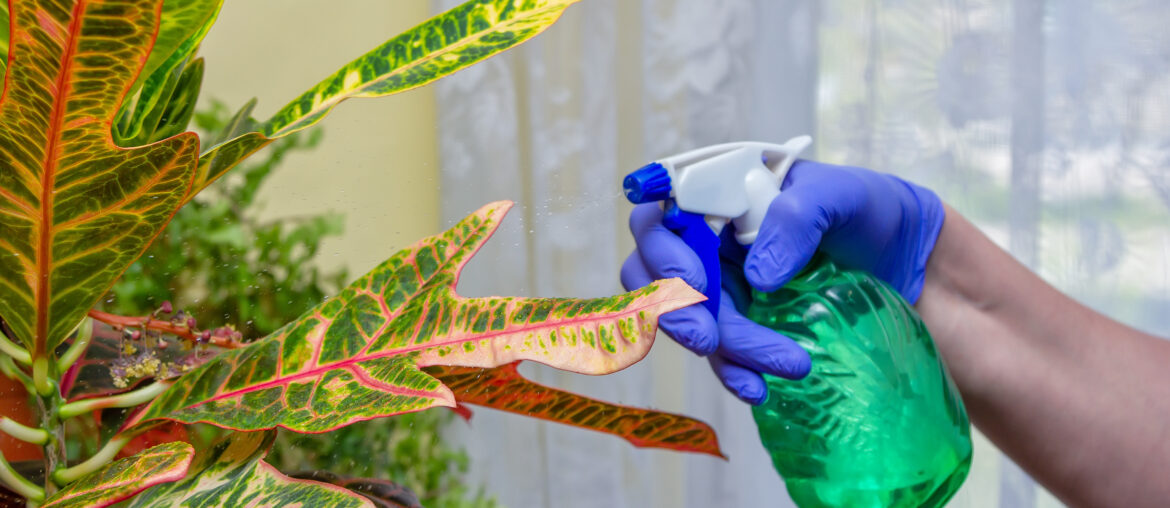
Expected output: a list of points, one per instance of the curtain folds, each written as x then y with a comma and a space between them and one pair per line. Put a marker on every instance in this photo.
1043, 122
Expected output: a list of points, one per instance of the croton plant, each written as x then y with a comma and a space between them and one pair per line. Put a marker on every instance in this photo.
95, 159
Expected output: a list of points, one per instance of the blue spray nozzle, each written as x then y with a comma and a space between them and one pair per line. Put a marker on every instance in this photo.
695, 232
648, 183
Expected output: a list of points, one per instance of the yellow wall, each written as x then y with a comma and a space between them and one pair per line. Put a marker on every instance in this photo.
377, 163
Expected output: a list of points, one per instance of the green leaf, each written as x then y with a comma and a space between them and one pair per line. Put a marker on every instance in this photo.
166, 114
183, 25
440, 46
76, 210
122, 479
505, 389
357, 355
232, 473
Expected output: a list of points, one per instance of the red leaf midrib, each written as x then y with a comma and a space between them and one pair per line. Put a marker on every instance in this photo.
56, 119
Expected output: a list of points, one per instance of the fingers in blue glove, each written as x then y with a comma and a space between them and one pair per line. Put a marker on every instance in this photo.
742, 382
792, 229
758, 348
692, 326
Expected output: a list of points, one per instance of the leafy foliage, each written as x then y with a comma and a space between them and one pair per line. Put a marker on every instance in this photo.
357, 356
124, 478
97, 96
271, 278
233, 473
406, 449
220, 263
440, 46
76, 209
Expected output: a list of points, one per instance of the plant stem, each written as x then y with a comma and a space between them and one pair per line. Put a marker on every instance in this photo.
77, 348
18, 483
128, 399
12, 349
54, 448
23, 432
158, 325
99, 459
40, 377
9, 369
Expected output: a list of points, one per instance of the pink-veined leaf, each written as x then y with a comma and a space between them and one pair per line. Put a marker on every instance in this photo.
123, 478
357, 356
233, 474
505, 389
75, 208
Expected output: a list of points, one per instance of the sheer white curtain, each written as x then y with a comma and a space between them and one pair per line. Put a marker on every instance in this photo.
1044, 122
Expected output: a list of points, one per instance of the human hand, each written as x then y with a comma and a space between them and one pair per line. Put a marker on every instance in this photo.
860, 218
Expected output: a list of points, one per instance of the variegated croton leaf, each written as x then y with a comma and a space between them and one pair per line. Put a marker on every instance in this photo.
440, 46
233, 474
75, 208
383, 493
357, 356
123, 478
505, 389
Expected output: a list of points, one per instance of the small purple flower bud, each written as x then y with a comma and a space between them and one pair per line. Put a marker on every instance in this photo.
191, 323
166, 307
135, 335
204, 337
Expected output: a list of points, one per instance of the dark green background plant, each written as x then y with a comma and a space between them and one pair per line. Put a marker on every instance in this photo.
233, 268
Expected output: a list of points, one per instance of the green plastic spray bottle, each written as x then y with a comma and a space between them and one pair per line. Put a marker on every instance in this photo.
878, 421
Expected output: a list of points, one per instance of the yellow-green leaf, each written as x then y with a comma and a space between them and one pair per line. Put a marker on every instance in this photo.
233, 474
440, 46
357, 356
123, 478
75, 209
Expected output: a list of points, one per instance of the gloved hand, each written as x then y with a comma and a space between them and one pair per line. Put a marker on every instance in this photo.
859, 218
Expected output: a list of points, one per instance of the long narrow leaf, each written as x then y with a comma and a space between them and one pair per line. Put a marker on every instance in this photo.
505, 389
233, 474
75, 209
440, 46
123, 478
357, 356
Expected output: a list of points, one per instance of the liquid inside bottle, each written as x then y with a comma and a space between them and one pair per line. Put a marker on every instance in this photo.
878, 422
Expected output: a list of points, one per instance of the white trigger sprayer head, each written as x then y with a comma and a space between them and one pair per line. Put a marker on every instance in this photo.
727, 182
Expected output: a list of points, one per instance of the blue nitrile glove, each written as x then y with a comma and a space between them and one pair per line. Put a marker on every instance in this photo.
860, 218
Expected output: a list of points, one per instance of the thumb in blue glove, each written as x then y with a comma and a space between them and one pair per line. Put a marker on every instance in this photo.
862, 219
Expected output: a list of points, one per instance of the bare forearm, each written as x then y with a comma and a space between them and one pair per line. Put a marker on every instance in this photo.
1080, 401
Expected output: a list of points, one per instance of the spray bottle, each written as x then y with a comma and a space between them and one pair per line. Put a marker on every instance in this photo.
878, 422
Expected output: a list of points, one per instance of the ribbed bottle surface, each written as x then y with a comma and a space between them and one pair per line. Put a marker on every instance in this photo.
878, 422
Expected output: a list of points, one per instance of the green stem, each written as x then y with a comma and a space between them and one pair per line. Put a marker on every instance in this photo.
9, 369
40, 377
128, 399
12, 349
77, 348
101, 458
53, 449
23, 432
18, 483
